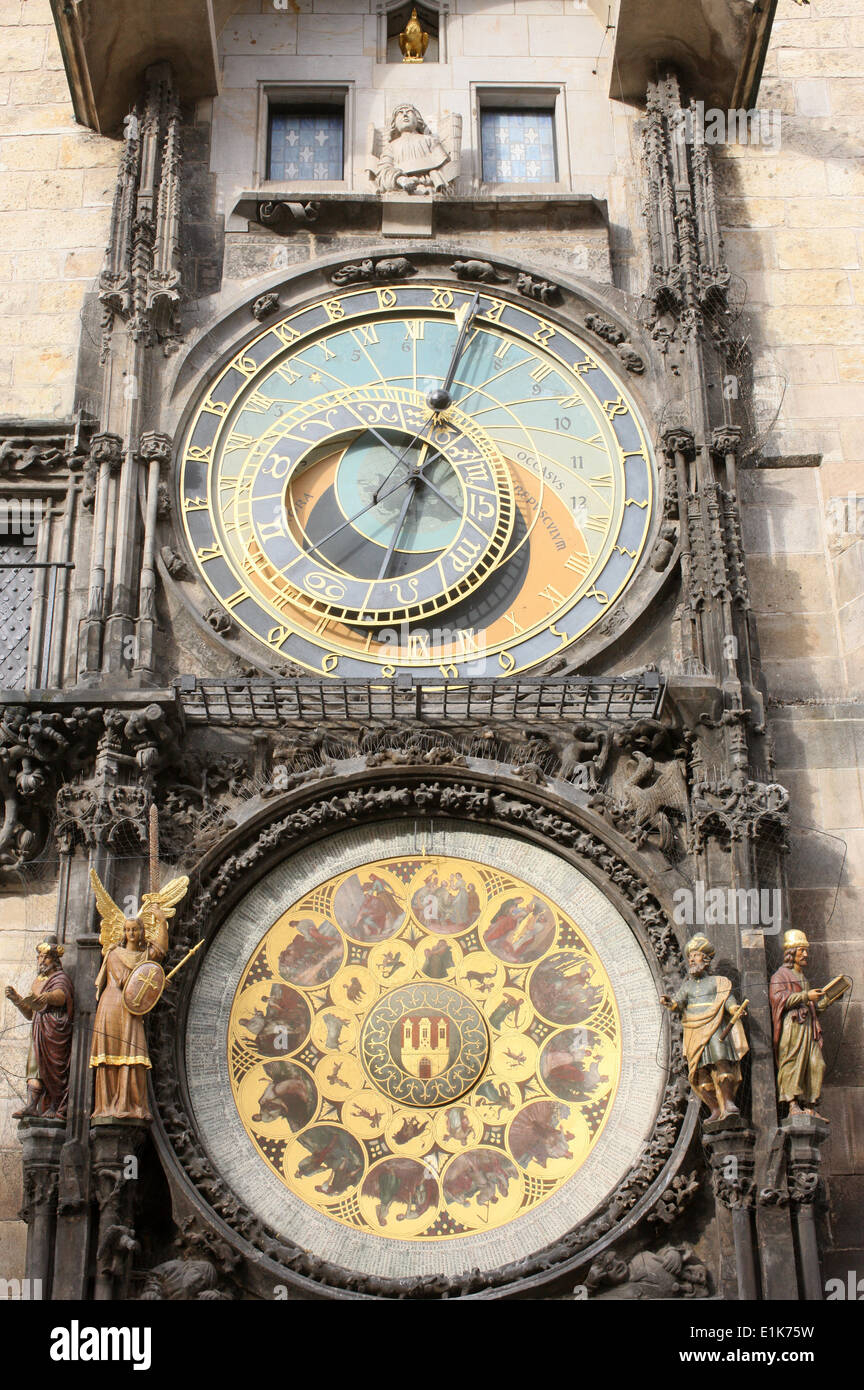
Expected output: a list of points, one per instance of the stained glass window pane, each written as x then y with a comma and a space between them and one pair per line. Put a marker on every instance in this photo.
518, 146
305, 145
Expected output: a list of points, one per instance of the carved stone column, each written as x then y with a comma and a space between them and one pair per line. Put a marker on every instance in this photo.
106, 455
115, 1152
729, 1145
805, 1134
154, 454
41, 1143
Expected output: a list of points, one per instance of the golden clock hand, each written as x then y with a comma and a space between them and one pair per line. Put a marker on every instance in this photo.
412, 488
441, 399
376, 495
363, 510
438, 493
393, 450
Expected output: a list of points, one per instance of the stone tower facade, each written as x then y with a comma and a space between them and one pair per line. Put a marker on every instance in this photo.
680, 189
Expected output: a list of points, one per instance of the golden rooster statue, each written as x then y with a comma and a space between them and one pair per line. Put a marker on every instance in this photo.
413, 40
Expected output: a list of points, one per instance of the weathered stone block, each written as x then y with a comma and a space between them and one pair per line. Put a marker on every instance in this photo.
816, 248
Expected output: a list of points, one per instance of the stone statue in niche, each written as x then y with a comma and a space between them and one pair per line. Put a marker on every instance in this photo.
797, 1031
48, 1007
714, 1039
409, 158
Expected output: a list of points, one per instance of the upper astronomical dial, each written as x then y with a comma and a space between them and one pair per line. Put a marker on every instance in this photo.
390, 456
351, 474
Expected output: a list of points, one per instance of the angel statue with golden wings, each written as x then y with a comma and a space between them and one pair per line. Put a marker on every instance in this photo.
119, 1048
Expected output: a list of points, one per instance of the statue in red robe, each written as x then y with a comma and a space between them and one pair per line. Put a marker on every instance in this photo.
50, 1006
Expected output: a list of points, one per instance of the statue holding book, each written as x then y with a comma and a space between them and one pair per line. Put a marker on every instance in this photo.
48, 1008
797, 1031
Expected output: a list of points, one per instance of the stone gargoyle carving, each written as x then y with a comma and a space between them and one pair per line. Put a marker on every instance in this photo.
409, 158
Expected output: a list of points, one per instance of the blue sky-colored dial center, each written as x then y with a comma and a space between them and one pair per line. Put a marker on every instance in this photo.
367, 466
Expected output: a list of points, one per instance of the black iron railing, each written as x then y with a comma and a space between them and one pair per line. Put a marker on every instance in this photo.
532, 699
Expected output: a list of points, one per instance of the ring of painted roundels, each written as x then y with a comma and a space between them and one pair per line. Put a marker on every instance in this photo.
303, 1250
461, 939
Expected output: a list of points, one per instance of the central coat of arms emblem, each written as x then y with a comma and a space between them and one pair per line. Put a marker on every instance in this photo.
424, 1044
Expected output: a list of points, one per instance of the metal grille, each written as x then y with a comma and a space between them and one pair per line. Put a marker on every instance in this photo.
518, 146
16, 606
532, 700
305, 145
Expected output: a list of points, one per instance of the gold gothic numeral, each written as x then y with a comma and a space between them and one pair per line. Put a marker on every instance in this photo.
258, 403
285, 333
335, 309
600, 594
552, 594
442, 299
287, 373
236, 440
544, 334
494, 311
579, 564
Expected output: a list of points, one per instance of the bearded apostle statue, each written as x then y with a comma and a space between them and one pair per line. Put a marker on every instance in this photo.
797, 1031
49, 1006
714, 1038
118, 1051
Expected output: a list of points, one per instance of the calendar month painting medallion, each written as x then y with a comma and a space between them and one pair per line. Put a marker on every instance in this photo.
424, 1044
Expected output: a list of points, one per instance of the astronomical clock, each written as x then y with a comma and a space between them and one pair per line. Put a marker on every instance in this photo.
416, 478
425, 1041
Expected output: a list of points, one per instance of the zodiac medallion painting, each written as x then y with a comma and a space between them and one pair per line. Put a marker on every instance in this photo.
424, 1048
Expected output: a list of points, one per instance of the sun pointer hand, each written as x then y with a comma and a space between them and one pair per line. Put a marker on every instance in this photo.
409, 497
440, 399
378, 497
